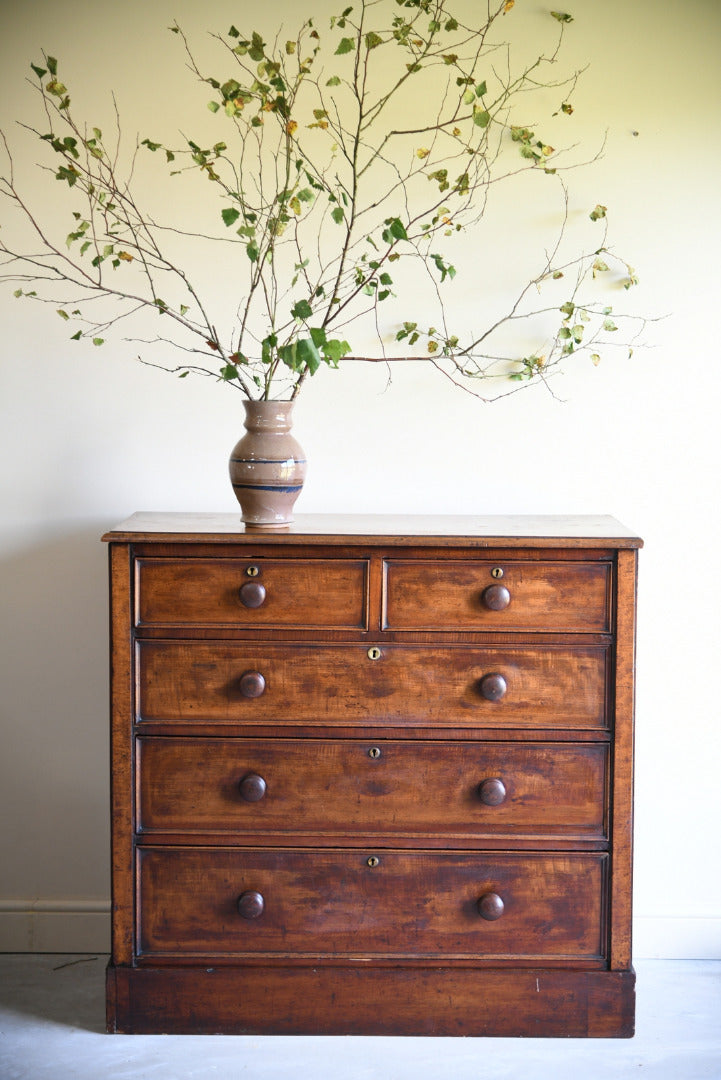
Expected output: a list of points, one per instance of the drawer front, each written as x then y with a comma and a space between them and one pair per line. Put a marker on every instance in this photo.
362, 904
455, 686
252, 787
526, 596
248, 593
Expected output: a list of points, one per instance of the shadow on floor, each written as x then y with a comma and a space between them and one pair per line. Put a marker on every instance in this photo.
56, 988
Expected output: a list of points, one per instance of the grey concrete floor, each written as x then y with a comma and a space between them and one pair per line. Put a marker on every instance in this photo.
52, 1017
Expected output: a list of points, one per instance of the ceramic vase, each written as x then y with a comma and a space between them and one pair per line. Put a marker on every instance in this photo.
267, 466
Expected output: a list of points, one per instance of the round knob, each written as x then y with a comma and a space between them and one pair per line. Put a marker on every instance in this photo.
251, 684
496, 597
251, 904
493, 686
252, 787
492, 792
252, 594
490, 907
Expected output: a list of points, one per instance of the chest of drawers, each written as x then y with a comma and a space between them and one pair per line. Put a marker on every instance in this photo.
372, 776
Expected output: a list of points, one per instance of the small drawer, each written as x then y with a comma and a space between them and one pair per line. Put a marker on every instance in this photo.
200, 902
352, 788
484, 595
247, 593
553, 687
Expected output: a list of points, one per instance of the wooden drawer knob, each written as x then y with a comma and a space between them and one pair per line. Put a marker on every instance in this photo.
496, 597
492, 792
252, 594
490, 907
252, 787
493, 686
251, 684
251, 904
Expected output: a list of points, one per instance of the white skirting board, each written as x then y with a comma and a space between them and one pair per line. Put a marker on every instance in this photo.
42, 926
83, 926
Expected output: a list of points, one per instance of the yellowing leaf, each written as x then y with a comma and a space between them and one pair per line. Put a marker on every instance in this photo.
508, 5
291, 127
422, 152
290, 47
595, 359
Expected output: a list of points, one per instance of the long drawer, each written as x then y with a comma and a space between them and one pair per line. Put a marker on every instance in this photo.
453, 686
200, 902
393, 789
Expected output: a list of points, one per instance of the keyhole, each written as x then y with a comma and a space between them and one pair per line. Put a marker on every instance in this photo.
374, 752
497, 572
373, 861
252, 571
374, 653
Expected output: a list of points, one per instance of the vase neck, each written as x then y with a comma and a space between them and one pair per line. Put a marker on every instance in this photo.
269, 416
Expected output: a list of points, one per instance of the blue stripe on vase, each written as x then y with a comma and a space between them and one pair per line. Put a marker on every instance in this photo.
267, 487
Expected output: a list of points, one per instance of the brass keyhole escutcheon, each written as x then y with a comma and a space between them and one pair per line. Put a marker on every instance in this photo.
374, 752
373, 861
252, 571
497, 572
374, 653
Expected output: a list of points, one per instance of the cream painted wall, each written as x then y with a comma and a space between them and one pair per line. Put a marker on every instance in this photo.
88, 436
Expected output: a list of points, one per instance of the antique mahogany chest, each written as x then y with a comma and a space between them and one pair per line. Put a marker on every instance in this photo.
372, 775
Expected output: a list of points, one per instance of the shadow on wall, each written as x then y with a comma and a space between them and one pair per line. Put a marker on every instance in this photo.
54, 718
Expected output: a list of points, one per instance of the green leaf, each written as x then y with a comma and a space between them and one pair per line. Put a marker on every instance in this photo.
334, 350
302, 310
598, 212
39, 71
609, 325
252, 251
309, 355
98, 341
333, 81
318, 336
568, 308
229, 372
481, 117
373, 40
230, 215
52, 64
337, 215
77, 336
63, 314
397, 229
345, 45
213, 106
562, 16
481, 89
